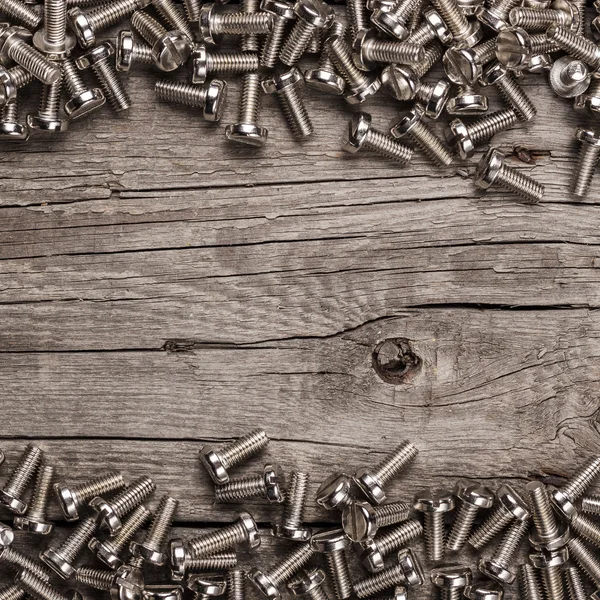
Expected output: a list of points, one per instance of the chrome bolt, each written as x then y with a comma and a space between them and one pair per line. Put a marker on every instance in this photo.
550, 563
394, 21
464, 66
53, 39
246, 130
325, 78
575, 588
205, 63
309, 583
529, 585
192, 10
236, 23
575, 45
210, 97
548, 533
127, 582
283, 13
82, 100
590, 99
517, 50
48, 118
41, 590
562, 14
333, 544
10, 129
21, 13
563, 498
495, 16
431, 27
168, 10
357, 16
585, 558
18, 561
468, 101
368, 50
12, 592
11, 495
242, 531
484, 591
35, 520
451, 580
181, 562
129, 52
473, 497
591, 505
589, 153
434, 504
206, 587
464, 32
361, 520
291, 526
236, 584
335, 492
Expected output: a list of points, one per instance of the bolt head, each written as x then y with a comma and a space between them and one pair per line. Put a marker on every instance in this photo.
359, 46
483, 591
451, 576
33, 525
390, 24
506, 495
315, 12
413, 572
469, 7
486, 172
216, 94
357, 95
493, 74
105, 553
475, 494
125, 44
439, 97
325, 81
335, 491
263, 584
497, 572
589, 103
105, 515
247, 133
171, 51
8, 90
213, 462
359, 521
293, 534
555, 542
489, 17
434, 501
177, 559
98, 54
329, 541
207, 584
403, 124
400, 81
370, 556
81, 27
7, 535
539, 63
459, 138
587, 136
471, 38
561, 502
58, 564
274, 479
279, 8
577, 75
253, 539
306, 581
204, 23
369, 485
149, 555
84, 103
513, 48
163, 592
277, 82
438, 25
545, 559
14, 504
461, 66
128, 584
355, 135
54, 52
470, 104
67, 502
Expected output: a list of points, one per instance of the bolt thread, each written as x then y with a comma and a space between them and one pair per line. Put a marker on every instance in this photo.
112, 13
586, 528
36, 587
415, 18
103, 484
433, 53
30, 462
84, 3
540, 44
434, 536
55, 21
192, 9
485, 52
41, 493
485, 128
493, 525
231, 63
316, 42
433, 147
509, 544
12, 556
217, 562
537, 19
241, 489
20, 76
591, 505
236, 585
293, 511
295, 112
73, 81
553, 583
20, 12
36, 63
398, 537
516, 98
138, 517
575, 45
520, 184
250, 42
10, 114
282, 571
217, 541
251, 95
50, 103
296, 43
583, 478
172, 15
585, 168
575, 587
318, 593
529, 584
273, 43
12, 592
245, 447
501, 8
78, 540
394, 52
239, 23
148, 27
390, 577
387, 146
453, 16
341, 56
339, 572
99, 579
461, 528
357, 16
422, 34
325, 62
142, 54
119, 100
161, 524
135, 494
395, 512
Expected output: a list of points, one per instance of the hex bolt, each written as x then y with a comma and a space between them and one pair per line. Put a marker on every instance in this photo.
368, 50
484, 591
411, 124
498, 567
550, 563
585, 558
236, 584
335, 492
126, 582
394, 21
41, 590
333, 544
170, 49
430, 28
129, 52
535, 19
181, 562
172, 15
468, 101
207, 63
53, 39
464, 66
372, 481
108, 551
510, 90
268, 583
243, 531
87, 25
35, 520
151, 550
575, 45
491, 171
563, 498
472, 497
372, 553
325, 78
210, 97
508, 507
109, 513
529, 585
309, 583
218, 461
589, 152
407, 571
591, 505
495, 16
20, 12
569, 77
207, 586
14, 558
12, 592
451, 580
463, 32
82, 100
548, 533
61, 560
283, 13
235, 23
9, 117
11, 495
465, 138
72, 497
574, 584
357, 16
361, 520
99, 59
291, 526
246, 130
515, 48
48, 119
434, 504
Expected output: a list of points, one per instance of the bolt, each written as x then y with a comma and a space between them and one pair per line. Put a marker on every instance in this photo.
11, 129
247, 131
109, 513
451, 581
206, 63
539, 63
368, 49
126, 583
181, 561
468, 101
357, 16
72, 498
171, 14
431, 27
242, 531
270, 486
498, 567
170, 49
575, 45
361, 520
466, 138
7, 535
235, 23
291, 527
11, 495
269, 582
208, 586
219, 460
575, 587
590, 99
12, 592
393, 21
496, 15
464, 66
434, 504
510, 90
585, 558
312, 15
333, 545
87, 25
372, 553
236, 584
549, 534
19, 561
211, 97
192, 10
128, 52
35, 519
162, 591
589, 152
309, 583
550, 563
53, 39
325, 78
48, 118
287, 87
151, 549
20, 12
516, 49
529, 586
433, 97
61, 560
591, 505
407, 571
473, 497
483, 591
508, 507
108, 551
283, 13
335, 492
41, 590
563, 498
562, 14
464, 32
82, 100
411, 123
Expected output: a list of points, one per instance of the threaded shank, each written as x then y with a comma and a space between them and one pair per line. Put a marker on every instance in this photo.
387, 146
133, 496
575, 45
157, 535
216, 562
529, 584
582, 479
12, 556
98, 486
339, 572
55, 21
36, 587
12, 592
585, 558
293, 511
251, 95
398, 537
29, 463
231, 63
508, 546
281, 572
244, 448
357, 16
585, 169
41, 493
50, 104
394, 52
10, 114
395, 512
435, 149
20, 76
20, 12
575, 587
537, 19
433, 53
493, 525
216, 541
78, 540
461, 528
241, 489
453, 16
341, 56
240, 23
586, 528
295, 112
36, 63
99, 579
422, 34
142, 54
111, 13
591, 505
236, 585
171, 14
369, 586
520, 184
516, 98
296, 43
485, 128
148, 27
434, 535
136, 519
273, 43
553, 585
73, 81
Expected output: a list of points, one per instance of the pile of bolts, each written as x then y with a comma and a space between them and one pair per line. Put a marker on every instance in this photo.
389, 44
110, 514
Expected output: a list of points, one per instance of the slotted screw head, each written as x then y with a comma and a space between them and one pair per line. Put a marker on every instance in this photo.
171, 50
95, 55
128, 583
84, 103
514, 48
7, 535
354, 138
486, 172
494, 570
483, 591
588, 136
329, 541
325, 81
161, 591
250, 133
207, 584
476, 494
545, 559
335, 491
434, 501
315, 12
413, 571
81, 26
400, 81
306, 581
277, 82
451, 577
272, 473
470, 103
359, 519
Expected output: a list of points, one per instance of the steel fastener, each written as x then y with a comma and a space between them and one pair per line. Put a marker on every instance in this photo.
361, 520
181, 562
291, 526
333, 545
11, 495
548, 532
35, 520
40, 590
451, 580
243, 531
563, 497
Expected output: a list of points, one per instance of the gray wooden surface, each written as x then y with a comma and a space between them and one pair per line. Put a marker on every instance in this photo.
160, 287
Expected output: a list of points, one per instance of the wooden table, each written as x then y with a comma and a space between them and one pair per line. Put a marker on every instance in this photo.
162, 287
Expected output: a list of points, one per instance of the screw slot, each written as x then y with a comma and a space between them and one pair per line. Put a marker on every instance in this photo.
394, 360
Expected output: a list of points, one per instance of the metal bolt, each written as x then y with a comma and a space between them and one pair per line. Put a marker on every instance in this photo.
464, 66
529, 585
11, 495
11, 557
35, 521
192, 10
283, 13
108, 551
12, 592
205, 63
361, 520
7, 535
465, 139
473, 497
373, 480
550, 563
309, 583
129, 52
170, 49
236, 584
430, 28
574, 583
411, 123
498, 567
335, 492
548, 534
48, 118
407, 571
270, 486
510, 90
464, 32
87, 25
11, 80
562, 13
451, 581
287, 87
41, 590
151, 549
218, 461
575, 45
162, 591
20, 12
483, 591
357, 16
368, 49
246, 130
591, 505
469, 7
333, 545
563, 498
181, 562
53, 39
171, 14
590, 99
585, 558
268, 583
72, 497
468, 101
516, 48
312, 15
325, 78
394, 21
109, 513
372, 553
206, 587
291, 526
235, 23
490, 171
126, 582
508, 507
569, 77
434, 504
589, 153
242, 531
495, 16
82, 100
